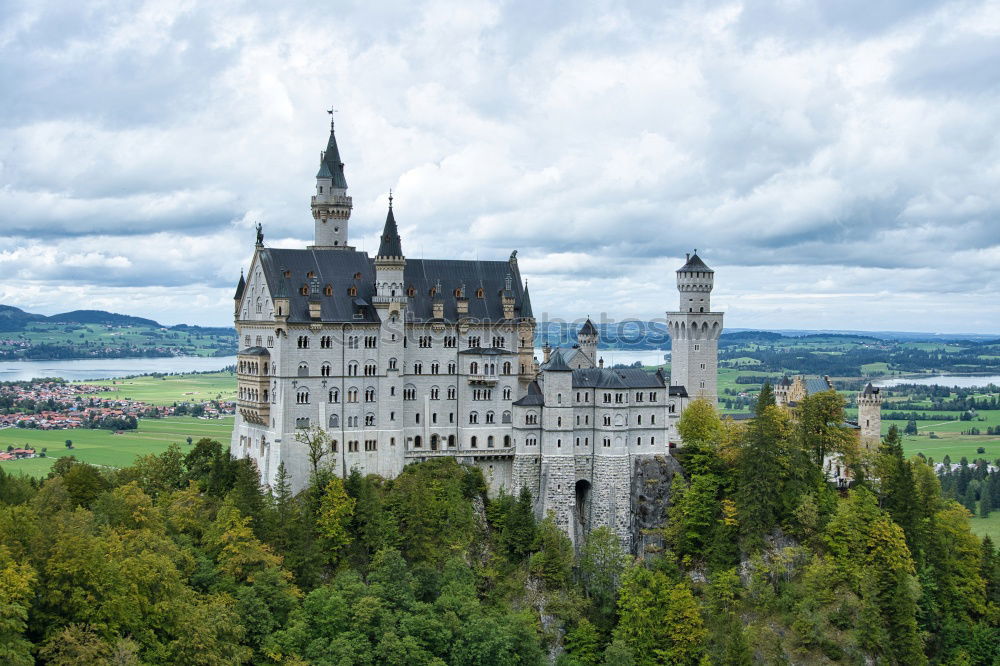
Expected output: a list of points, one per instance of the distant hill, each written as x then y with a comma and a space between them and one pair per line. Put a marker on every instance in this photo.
101, 317
14, 319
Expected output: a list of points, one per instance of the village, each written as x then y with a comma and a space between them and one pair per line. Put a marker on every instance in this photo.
58, 405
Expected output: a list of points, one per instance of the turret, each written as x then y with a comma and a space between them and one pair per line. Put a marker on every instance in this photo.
588, 337
694, 282
331, 207
390, 290
694, 332
870, 416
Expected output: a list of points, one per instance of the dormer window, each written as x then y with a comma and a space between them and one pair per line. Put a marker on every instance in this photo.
357, 276
352, 291
288, 274
458, 293
411, 291
433, 292
304, 290
328, 290
480, 293
310, 275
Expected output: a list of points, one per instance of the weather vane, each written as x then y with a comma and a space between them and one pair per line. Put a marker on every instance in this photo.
390, 197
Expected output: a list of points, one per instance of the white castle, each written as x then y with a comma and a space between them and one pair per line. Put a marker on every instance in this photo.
401, 360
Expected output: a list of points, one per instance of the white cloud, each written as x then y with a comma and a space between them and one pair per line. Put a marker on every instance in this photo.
836, 163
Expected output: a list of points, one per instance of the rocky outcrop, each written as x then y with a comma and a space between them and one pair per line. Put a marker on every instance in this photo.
652, 480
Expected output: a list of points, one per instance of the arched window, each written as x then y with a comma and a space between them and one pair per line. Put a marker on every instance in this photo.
334, 421
334, 396
506, 440
490, 417
392, 364
473, 417
505, 418
303, 369
489, 442
473, 442
506, 367
324, 370
474, 368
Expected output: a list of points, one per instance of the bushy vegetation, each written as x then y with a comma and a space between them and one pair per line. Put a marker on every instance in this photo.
183, 558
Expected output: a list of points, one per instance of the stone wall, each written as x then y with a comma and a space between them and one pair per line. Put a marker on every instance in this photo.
611, 506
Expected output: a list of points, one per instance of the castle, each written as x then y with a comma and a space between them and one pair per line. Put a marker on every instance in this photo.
402, 360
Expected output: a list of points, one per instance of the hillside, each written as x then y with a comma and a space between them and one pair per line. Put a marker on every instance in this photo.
100, 334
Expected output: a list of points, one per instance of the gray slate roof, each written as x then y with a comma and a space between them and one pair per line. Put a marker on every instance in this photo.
870, 390
254, 351
533, 398
695, 264
331, 166
242, 285
338, 268
617, 378
816, 385
588, 328
391, 245
556, 363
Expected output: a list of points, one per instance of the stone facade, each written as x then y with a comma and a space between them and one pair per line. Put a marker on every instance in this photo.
870, 416
400, 360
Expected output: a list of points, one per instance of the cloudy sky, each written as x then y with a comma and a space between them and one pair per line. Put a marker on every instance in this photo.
837, 163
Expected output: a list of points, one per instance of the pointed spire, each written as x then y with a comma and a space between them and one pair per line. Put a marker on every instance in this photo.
241, 286
526, 303
330, 165
391, 245
588, 328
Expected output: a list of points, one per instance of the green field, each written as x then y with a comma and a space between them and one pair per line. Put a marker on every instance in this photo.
103, 447
168, 389
987, 526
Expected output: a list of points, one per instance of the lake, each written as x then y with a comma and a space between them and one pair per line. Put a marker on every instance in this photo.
107, 368
623, 356
962, 381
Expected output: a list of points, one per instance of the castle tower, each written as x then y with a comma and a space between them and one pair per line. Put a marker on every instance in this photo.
870, 416
694, 332
588, 337
331, 207
390, 300
558, 466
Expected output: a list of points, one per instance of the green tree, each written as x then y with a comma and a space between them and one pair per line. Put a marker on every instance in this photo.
553, 561
16, 585
693, 518
336, 510
659, 621
583, 643
602, 563
766, 468
701, 430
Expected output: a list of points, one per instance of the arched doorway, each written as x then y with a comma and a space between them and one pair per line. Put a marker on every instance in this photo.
434, 442
581, 511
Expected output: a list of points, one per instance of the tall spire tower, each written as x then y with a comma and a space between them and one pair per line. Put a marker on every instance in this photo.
694, 332
331, 207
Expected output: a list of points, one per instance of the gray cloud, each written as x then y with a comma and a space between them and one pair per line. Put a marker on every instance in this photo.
834, 162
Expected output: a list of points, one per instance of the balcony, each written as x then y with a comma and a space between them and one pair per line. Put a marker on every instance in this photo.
254, 412
488, 380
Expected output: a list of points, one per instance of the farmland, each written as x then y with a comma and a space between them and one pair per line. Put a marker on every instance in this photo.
169, 389
104, 447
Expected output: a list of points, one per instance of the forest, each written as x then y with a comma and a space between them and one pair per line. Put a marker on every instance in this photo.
182, 558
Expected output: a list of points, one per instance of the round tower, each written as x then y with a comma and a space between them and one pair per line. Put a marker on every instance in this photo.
588, 337
694, 332
331, 207
870, 416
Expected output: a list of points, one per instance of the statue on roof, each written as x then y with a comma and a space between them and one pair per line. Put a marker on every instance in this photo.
260, 235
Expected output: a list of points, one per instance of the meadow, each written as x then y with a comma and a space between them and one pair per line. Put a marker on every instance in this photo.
170, 389
103, 447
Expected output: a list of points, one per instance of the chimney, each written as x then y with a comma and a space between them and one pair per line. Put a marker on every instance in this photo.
438, 308
547, 351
